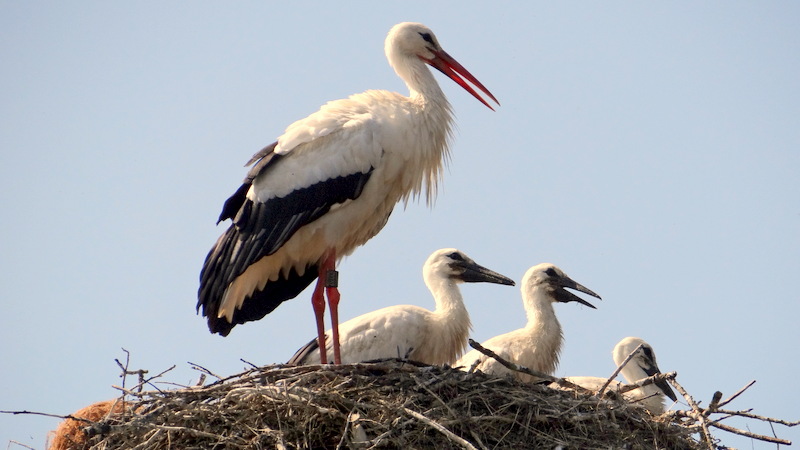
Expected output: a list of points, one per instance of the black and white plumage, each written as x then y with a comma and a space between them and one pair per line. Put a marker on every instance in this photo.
536, 346
328, 185
409, 331
641, 365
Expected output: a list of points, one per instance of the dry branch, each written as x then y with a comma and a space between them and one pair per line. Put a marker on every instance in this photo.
618, 369
440, 428
738, 393
647, 381
522, 369
701, 416
697, 414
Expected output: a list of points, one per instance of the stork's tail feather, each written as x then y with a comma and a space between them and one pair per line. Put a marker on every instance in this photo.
260, 303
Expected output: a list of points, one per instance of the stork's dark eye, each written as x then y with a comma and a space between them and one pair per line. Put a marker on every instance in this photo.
455, 256
551, 272
427, 37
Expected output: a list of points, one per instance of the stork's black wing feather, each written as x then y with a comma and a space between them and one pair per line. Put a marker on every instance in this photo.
259, 229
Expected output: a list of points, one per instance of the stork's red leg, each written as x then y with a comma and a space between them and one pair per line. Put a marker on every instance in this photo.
328, 270
332, 291
318, 303
333, 301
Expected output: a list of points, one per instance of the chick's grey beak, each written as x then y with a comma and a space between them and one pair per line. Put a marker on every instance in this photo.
564, 296
475, 273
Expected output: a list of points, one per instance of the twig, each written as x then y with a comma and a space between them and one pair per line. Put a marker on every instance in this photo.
522, 369
202, 369
748, 415
190, 431
647, 381
738, 393
510, 365
139, 386
148, 442
714, 404
449, 409
57, 416
618, 370
248, 363
440, 428
716, 423
749, 434
180, 385
126, 372
148, 380
772, 427
697, 412
433, 394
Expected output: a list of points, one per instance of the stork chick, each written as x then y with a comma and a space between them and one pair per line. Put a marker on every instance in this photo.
642, 365
536, 346
408, 331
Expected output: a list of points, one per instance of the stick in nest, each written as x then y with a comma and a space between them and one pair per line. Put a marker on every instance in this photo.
618, 369
522, 369
440, 428
701, 416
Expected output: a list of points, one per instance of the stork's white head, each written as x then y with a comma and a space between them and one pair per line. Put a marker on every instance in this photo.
641, 365
453, 265
412, 39
409, 46
628, 345
552, 281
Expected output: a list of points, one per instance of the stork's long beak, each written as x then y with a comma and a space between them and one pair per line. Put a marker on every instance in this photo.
476, 273
447, 65
564, 296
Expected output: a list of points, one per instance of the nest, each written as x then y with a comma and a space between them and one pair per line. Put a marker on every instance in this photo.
386, 404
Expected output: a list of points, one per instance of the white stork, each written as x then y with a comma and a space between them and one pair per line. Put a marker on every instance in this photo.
537, 346
642, 365
408, 331
328, 185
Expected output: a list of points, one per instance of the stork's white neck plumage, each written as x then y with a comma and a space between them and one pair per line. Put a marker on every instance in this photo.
543, 328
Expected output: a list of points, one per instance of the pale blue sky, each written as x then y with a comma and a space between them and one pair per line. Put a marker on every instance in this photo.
649, 150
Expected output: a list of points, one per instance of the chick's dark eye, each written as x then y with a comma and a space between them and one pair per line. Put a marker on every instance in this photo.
427, 37
456, 256
551, 272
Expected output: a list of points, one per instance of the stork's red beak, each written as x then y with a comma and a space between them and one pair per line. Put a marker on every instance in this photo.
447, 65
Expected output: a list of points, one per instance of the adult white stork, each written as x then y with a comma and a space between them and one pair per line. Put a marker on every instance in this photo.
537, 346
408, 331
328, 185
642, 365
